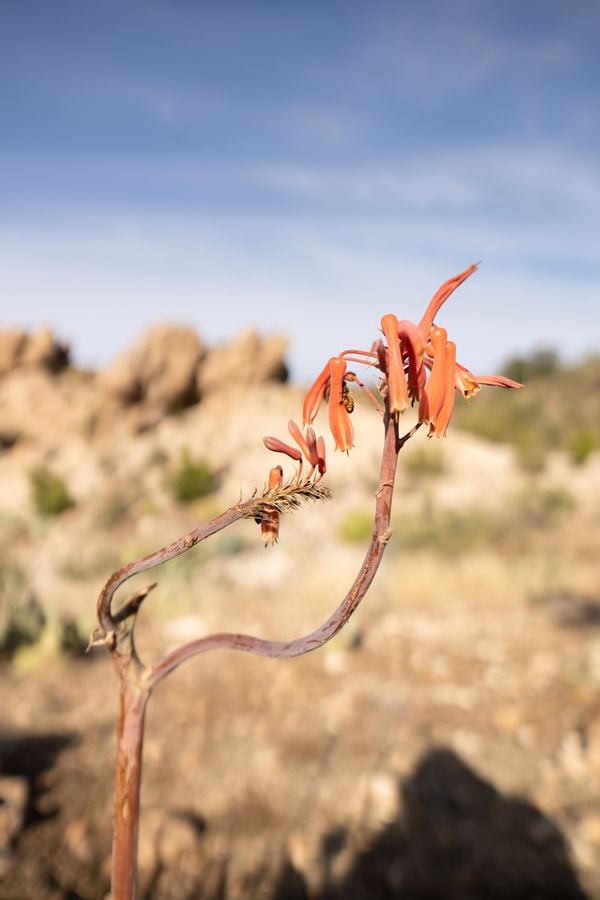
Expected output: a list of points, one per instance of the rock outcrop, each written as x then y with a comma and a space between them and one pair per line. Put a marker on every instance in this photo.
159, 370
170, 368
248, 359
39, 349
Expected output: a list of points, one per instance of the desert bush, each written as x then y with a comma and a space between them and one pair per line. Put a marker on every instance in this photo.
73, 637
425, 461
583, 443
21, 618
356, 527
547, 508
49, 492
448, 531
192, 479
539, 364
560, 410
453, 531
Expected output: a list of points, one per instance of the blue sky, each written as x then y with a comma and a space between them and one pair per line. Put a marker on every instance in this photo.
301, 168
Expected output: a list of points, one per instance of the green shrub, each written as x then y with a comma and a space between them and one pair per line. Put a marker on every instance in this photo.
583, 443
49, 492
451, 532
539, 364
24, 627
541, 508
448, 531
357, 527
73, 637
558, 410
192, 479
424, 461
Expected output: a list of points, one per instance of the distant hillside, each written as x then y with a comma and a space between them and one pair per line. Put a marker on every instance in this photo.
558, 410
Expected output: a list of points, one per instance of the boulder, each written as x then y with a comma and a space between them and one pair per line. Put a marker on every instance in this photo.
159, 370
38, 350
12, 342
43, 350
248, 359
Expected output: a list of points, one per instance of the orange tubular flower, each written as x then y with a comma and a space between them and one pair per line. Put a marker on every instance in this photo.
339, 420
469, 384
442, 419
440, 297
435, 389
397, 388
437, 401
412, 345
331, 382
404, 359
269, 526
315, 395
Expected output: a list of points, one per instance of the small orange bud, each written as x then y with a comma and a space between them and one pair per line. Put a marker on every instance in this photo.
277, 446
321, 454
269, 526
303, 442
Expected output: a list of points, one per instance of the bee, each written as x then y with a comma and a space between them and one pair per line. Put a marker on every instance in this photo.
347, 398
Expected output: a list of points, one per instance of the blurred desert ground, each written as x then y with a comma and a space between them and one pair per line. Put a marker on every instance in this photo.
445, 745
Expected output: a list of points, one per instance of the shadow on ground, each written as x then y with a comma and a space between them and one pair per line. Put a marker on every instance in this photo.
28, 757
457, 838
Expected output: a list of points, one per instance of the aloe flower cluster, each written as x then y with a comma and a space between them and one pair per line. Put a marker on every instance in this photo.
417, 365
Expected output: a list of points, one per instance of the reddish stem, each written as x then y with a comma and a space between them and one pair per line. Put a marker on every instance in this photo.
130, 737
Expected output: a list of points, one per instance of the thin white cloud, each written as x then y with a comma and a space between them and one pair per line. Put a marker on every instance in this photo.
467, 179
531, 203
524, 176
101, 281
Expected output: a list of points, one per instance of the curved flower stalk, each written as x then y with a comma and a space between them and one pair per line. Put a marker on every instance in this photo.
417, 365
